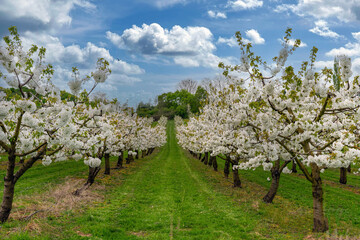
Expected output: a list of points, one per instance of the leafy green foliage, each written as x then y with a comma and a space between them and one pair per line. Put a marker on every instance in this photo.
181, 103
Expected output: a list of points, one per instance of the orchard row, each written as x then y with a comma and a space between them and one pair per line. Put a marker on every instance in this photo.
271, 115
37, 124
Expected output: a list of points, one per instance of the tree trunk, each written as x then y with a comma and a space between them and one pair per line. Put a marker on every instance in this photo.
275, 180
8, 197
227, 168
91, 178
214, 163
120, 160
349, 168
137, 154
203, 158
206, 158
343, 175
143, 153
294, 170
9, 187
320, 221
107, 163
10, 179
210, 163
150, 151
199, 157
236, 179
129, 158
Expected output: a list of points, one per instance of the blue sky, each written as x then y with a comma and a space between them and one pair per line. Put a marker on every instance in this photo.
152, 45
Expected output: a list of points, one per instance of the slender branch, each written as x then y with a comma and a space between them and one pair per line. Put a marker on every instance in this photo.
279, 111
31, 151
302, 167
3, 127
96, 83
17, 130
283, 165
19, 84
28, 164
55, 151
27, 81
4, 146
322, 111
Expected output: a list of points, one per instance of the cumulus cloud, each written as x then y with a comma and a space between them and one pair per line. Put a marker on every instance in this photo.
42, 12
323, 9
213, 14
189, 46
253, 37
84, 58
323, 64
321, 28
244, 4
231, 42
351, 49
57, 53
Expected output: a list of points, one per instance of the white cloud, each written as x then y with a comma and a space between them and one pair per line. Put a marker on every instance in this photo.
244, 4
253, 37
84, 58
323, 9
189, 46
213, 14
351, 49
356, 35
57, 53
321, 28
161, 4
323, 64
231, 42
47, 12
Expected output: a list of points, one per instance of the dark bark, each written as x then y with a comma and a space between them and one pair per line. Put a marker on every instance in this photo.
294, 170
214, 163
199, 157
120, 160
206, 160
275, 180
91, 179
9, 187
137, 154
320, 221
227, 168
349, 168
236, 178
11, 178
150, 151
129, 158
343, 175
107, 163
210, 163
143, 153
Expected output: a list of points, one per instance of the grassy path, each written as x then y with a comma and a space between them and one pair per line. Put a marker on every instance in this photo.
166, 199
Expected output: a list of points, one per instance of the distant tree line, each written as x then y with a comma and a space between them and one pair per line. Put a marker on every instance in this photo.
186, 100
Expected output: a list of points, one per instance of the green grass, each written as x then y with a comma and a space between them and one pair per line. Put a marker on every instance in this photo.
173, 196
39, 178
340, 201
